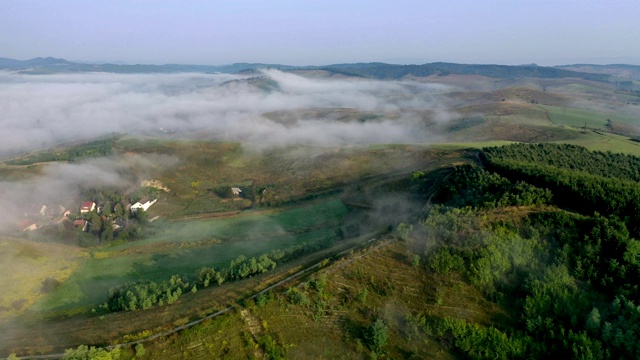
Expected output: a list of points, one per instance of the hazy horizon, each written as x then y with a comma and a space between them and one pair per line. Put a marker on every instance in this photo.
323, 32
593, 61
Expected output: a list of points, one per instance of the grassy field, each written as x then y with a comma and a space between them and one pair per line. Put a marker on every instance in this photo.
606, 142
287, 174
332, 324
18, 173
578, 117
183, 247
25, 266
29, 335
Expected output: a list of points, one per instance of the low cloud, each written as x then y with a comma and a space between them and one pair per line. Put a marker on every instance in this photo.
39, 111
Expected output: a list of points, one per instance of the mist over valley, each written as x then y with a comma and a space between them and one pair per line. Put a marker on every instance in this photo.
146, 209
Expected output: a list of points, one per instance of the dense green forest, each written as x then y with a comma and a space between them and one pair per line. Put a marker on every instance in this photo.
567, 275
581, 180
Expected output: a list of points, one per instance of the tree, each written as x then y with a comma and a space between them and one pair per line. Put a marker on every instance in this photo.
415, 262
593, 321
83, 352
377, 335
107, 208
96, 223
107, 234
223, 191
118, 210
404, 231
140, 350
417, 175
141, 216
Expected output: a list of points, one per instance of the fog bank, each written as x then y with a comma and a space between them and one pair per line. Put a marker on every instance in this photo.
38, 111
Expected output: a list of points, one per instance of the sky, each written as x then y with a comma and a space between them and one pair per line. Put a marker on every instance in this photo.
320, 32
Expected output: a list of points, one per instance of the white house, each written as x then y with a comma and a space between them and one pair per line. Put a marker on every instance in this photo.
143, 204
236, 191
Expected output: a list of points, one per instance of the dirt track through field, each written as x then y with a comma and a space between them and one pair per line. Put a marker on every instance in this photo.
254, 329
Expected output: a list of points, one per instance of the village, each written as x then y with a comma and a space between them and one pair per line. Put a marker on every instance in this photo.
100, 215
92, 221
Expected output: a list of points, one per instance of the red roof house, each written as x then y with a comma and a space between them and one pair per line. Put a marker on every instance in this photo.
27, 225
83, 224
87, 206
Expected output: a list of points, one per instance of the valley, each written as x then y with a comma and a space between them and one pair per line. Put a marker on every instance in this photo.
365, 193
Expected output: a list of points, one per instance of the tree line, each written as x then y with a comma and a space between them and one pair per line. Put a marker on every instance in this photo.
143, 294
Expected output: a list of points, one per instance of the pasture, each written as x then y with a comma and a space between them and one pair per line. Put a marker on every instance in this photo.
576, 117
183, 247
25, 268
287, 174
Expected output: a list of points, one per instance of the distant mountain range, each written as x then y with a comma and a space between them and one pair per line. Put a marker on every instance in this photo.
6, 63
623, 71
602, 73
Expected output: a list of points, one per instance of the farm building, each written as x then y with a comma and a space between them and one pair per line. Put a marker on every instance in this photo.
143, 204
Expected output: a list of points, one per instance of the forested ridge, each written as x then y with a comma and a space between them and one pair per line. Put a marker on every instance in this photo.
393, 71
93, 149
570, 157
567, 274
584, 181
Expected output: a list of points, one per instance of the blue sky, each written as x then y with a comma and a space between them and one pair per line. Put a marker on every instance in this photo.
316, 32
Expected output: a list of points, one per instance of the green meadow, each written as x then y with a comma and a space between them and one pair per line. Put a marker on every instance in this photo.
579, 117
183, 247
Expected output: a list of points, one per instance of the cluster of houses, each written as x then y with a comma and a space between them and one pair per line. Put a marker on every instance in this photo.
48, 215
35, 216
